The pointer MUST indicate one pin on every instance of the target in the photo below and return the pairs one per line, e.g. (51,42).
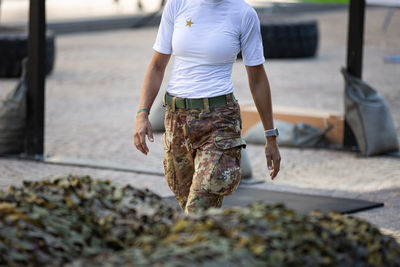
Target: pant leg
(178,157)
(217,174)
(217,159)
(201,201)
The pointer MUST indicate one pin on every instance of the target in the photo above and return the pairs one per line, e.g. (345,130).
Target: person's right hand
(142,128)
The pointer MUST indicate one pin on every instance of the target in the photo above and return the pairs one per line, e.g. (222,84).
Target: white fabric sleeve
(163,43)
(250,39)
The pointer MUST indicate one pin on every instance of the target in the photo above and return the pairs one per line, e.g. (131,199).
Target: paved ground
(93,94)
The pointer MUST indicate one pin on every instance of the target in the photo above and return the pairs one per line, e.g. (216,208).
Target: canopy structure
(36,70)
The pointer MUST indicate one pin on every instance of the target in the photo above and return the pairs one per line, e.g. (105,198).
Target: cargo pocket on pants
(224,175)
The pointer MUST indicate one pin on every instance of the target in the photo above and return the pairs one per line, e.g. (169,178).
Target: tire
(289,39)
(14,48)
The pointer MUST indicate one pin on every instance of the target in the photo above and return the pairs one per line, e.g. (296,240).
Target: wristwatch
(272,132)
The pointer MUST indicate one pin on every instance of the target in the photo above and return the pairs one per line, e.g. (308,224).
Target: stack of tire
(14,48)
(288,38)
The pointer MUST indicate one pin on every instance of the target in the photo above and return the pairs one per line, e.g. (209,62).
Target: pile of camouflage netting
(78,221)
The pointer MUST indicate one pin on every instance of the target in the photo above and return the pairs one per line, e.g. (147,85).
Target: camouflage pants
(202,154)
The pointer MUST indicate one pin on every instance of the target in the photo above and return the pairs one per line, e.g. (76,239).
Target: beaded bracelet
(148,112)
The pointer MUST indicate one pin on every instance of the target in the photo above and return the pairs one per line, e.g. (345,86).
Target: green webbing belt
(189,103)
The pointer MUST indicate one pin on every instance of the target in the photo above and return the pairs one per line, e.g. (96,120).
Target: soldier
(202,139)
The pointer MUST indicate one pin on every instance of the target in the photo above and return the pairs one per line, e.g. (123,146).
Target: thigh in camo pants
(202,155)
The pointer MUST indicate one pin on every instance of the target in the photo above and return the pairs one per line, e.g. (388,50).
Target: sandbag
(369,117)
(13,118)
(245,166)
(157,115)
(290,135)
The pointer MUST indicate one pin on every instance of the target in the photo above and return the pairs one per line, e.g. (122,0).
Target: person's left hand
(273,156)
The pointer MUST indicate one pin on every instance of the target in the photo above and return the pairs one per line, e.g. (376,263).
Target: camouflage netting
(83,222)
(55,221)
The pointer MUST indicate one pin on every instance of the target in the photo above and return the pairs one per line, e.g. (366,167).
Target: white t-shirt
(205,37)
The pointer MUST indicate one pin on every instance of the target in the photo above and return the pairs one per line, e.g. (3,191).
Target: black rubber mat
(302,203)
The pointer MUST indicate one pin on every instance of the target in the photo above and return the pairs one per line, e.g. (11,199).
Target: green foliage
(83,222)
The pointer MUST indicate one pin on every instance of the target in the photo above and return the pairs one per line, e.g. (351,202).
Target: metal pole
(355,38)
(36,79)
(355,41)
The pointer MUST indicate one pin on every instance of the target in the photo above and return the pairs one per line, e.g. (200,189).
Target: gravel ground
(92,96)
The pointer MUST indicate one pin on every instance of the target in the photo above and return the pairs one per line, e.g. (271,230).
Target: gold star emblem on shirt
(189,23)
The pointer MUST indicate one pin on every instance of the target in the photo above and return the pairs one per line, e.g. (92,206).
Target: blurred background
(15,11)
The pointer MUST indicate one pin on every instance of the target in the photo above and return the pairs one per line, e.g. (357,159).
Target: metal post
(36,79)
(355,41)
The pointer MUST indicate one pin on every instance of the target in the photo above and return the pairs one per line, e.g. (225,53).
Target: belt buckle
(206,105)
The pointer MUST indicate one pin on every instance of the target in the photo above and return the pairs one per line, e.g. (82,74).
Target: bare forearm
(151,86)
(153,79)
(261,93)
